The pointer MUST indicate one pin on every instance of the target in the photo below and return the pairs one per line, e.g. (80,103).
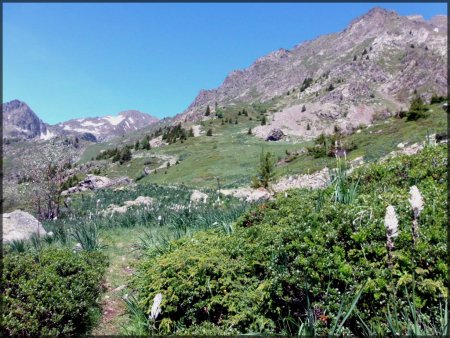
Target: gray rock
(198,196)
(20,225)
(93,182)
(275,135)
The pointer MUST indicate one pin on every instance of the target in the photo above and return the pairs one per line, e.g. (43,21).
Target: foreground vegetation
(52,291)
(312,262)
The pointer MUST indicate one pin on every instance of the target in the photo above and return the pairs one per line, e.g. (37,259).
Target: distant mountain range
(20,121)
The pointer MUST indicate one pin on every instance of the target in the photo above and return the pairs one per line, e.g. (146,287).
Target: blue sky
(72,60)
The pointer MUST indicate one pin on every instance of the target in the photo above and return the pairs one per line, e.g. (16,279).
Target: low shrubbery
(301,261)
(51,292)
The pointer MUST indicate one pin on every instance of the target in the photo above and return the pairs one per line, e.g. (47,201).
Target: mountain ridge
(379,54)
(20,121)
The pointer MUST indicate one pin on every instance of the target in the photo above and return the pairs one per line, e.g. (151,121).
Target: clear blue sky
(77,60)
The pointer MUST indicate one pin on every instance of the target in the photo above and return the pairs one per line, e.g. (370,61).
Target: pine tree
(208,111)
(303,108)
(125,155)
(266,171)
(209,132)
(136,146)
(249,131)
(263,120)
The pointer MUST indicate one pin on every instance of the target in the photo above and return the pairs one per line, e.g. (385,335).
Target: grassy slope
(232,155)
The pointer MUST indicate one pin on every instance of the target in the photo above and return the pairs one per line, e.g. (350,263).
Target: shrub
(291,255)
(417,110)
(54,293)
(209,132)
(437,99)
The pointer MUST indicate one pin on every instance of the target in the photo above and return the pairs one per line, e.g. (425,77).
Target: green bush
(54,292)
(306,251)
(417,110)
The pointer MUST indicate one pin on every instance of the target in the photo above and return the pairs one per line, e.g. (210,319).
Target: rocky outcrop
(275,135)
(140,201)
(20,225)
(93,182)
(248,194)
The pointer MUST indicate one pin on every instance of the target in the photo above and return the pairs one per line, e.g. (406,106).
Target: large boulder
(275,135)
(198,196)
(20,225)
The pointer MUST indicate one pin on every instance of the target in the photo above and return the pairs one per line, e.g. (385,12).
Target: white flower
(415,200)
(159,218)
(391,222)
(50,234)
(156,307)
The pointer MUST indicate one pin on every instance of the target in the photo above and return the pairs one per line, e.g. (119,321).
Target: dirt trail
(120,252)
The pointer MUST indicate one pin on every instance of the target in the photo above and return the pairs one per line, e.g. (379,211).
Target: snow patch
(114,120)
(47,136)
(436,30)
(92,124)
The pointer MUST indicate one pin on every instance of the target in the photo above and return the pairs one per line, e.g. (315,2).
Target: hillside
(307,195)
(373,66)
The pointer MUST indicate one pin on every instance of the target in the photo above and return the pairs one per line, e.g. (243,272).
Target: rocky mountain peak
(20,121)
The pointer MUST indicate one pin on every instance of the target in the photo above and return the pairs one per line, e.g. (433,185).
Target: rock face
(376,62)
(20,225)
(93,182)
(19,121)
(275,135)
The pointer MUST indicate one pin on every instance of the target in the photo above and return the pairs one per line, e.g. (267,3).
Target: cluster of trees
(174,133)
(120,155)
(330,145)
(306,83)
(229,120)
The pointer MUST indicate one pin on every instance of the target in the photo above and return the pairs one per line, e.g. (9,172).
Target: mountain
(107,127)
(375,65)
(20,121)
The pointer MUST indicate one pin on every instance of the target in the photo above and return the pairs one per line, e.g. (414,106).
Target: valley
(263,208)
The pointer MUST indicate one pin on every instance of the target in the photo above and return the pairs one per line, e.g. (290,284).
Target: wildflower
(391,222)
(156,307)
(415,200)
